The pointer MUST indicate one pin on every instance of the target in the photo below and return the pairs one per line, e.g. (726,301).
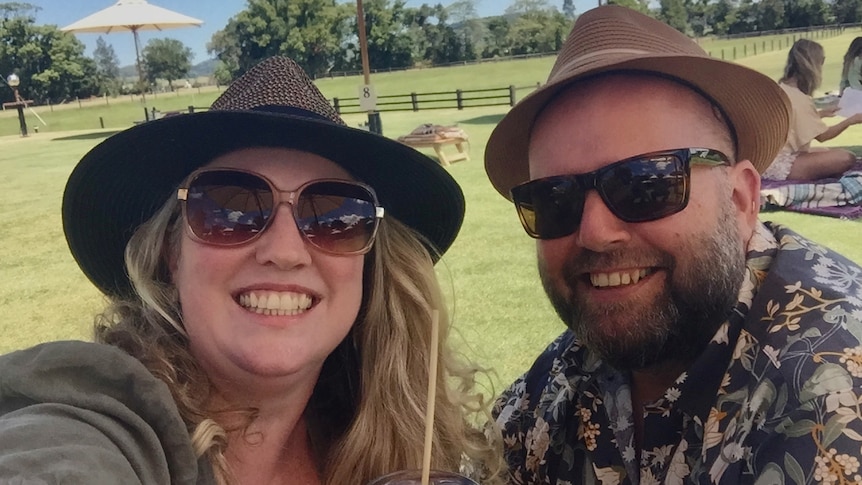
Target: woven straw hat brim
(755,106)
(124,180)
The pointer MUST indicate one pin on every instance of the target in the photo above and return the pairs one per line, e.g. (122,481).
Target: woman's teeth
(617,278)
(275,302)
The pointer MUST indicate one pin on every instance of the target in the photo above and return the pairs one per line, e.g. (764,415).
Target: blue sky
(214,13)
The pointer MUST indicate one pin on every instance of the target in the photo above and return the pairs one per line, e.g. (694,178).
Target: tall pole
(374,123)
(141,83)
(363,42)
(19,105)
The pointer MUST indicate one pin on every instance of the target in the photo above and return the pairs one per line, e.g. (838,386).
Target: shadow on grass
(87,136)
(486,120)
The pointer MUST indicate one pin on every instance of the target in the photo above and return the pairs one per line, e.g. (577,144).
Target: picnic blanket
(834,197)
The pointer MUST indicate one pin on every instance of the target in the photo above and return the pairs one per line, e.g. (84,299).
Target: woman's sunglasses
(638,189)
(229,207)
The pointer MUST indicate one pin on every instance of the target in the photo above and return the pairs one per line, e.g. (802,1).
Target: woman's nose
(282,244)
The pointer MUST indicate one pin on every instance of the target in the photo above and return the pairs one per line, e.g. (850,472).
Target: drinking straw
(432,392)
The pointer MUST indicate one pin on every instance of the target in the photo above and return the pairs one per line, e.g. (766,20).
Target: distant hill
(201,69)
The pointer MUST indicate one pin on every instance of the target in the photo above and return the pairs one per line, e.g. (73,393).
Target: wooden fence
(458,99)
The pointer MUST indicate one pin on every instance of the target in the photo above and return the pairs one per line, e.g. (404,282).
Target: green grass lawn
(489,274)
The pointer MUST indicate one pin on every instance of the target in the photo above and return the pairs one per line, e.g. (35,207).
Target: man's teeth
(275,302)
(617,278)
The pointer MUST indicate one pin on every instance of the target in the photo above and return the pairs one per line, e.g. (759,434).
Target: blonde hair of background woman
(805,65)
(383,361)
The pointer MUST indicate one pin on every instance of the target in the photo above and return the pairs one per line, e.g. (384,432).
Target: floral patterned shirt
(776,397)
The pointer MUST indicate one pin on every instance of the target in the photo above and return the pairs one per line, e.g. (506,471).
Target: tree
(222,74)
(225,47)
(167,59)
(496,38)
(805,13)
(50,63)
(847,11)
(771,14)
(641,6)
(311,32)
(18,9)
(700,14)
(436,40)
(569,9)
(107,68)
(468,27)
(521,7)
(723,16)
(674,13)
(535,27)
(387,25)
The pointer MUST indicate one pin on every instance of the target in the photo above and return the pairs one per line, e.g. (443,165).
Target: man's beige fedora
(612,38)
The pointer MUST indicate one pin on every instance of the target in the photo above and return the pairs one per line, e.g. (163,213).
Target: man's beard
(679,323)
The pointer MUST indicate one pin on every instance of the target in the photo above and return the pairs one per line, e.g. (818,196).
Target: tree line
(322,36)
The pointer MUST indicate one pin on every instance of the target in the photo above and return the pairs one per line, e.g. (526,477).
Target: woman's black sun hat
(124,180)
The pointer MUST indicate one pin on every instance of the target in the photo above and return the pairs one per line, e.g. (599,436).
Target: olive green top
(85,413)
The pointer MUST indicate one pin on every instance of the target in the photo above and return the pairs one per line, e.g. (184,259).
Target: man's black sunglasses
(638,189)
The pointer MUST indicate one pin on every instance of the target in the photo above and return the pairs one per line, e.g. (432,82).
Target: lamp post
(13,82)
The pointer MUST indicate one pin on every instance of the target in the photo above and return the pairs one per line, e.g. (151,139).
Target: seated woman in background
(851,71)
(797,160)
(272,322)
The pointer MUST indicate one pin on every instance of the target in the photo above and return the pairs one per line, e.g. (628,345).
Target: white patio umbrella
(132,16)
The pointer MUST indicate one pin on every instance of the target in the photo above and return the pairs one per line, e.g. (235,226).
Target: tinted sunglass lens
(645,189)
(228,207)
(550,208)
(337,217)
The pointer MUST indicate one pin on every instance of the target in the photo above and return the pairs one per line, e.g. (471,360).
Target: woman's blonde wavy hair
(805,65)
(366,416)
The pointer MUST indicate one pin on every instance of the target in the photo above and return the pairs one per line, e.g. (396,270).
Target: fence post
(146,114)
(191,109)
(744,50)
(734,53)
(79,101)
(336,105)
(154,112)
(101,122)
(755,48)
(511,95)
(414,101)
(722,54)
(459,99)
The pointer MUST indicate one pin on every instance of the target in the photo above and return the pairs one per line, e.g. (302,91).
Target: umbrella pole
(138,66)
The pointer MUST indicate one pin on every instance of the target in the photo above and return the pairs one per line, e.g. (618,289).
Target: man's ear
(745,185)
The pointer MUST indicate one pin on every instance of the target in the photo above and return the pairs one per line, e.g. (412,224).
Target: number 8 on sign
(367,98)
